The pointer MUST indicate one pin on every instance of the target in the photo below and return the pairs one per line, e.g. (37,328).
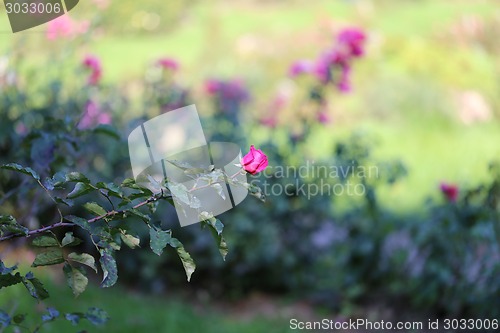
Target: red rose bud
(255,161)
(450,191)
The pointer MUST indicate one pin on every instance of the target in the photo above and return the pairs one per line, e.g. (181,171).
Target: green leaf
(75,276)
(139,214)
(83,258)
(95,208)
(216,228)
(112,189)
(107,130)
(6,270)
(187,261)
(4,319)
(70,240)
(81,222)
(97,316)
(79,190)
(19,318)
(108,265)
(77,177)
(130,240)
(19,168)
(9,224)
(47,258)
(45,241)
(180,192)
(220,191)
(35,287)
(57,181)
(159,239)
(8,280)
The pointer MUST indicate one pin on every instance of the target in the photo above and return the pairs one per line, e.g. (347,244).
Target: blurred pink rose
(300,67)
(211,86)
(94,64)
(65,27)
(94,116)
(323,117)
(168,63)
(353,40)
(255,161)
(450,191)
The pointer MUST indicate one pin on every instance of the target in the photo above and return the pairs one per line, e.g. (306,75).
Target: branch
(95,219)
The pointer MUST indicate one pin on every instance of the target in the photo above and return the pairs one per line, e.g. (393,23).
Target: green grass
(131,312)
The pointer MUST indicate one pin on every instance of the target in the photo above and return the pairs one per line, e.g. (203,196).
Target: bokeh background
(423,107)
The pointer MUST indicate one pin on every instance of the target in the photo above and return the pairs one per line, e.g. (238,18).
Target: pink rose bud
(255,161)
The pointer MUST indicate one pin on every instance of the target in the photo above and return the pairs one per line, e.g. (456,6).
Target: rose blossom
(450,191)
(300,67)
(255,161)
(94,64)
(168,63)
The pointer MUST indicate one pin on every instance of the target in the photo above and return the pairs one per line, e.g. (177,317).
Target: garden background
(420,102)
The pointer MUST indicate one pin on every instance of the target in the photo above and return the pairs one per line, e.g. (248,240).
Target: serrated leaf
(70,240)
(95,208)
(9,224)
(159,239)
(187,261)
(77,177)
(180,192)
(77,281)
(67,202)
(108,265)
(112,189)
(219,190)
(97,316)
(56,181)
(45,241)
(79,190)
(19,168)
(35,288)
(216,228)
(83,258)
(47,258)
(8,280)
(131,241)
(81,222)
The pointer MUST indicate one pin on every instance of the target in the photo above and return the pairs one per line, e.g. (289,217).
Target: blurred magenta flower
(230,95)
(352,40)
(211,86)
(450,191)
(300,67)
(323,117)
(94,116)
(255,161)
(65,27)
(94,64)
(334,65)
(168,64)
(271,122)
